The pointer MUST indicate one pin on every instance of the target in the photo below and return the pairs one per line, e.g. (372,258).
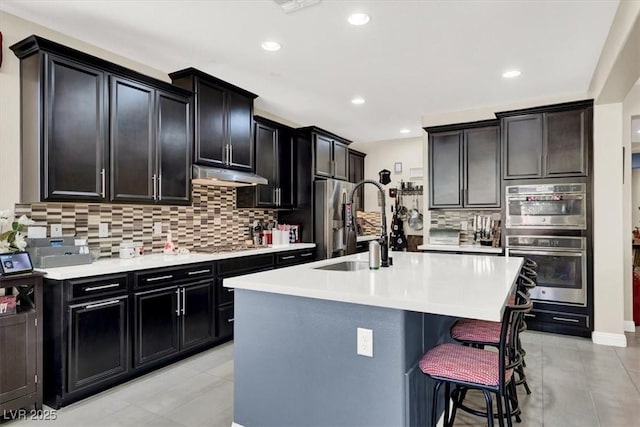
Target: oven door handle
(579,253)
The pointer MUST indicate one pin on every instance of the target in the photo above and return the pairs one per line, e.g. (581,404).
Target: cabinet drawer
(157,277)
(98,286)
(243,265)
(225,295)
(225,322)
(559,318)
(295,257)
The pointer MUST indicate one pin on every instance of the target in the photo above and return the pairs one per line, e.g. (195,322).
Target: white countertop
(117,265)
(472,286)
(461,248)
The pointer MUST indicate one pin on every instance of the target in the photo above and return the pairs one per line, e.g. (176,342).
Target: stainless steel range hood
(205,175)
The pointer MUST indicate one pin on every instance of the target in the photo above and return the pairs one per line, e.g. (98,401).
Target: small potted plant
(11,237)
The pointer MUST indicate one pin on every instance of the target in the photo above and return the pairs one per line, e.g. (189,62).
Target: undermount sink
(345,266)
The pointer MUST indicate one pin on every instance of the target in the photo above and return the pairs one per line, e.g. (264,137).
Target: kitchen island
(296,361)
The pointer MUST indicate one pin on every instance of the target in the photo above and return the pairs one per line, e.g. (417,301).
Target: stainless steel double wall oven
(548,224)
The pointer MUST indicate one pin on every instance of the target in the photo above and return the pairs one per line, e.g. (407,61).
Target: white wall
(13,30)
(383,155)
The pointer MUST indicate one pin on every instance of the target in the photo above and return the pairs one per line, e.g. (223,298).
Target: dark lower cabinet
(198,313)
(156,329)
(98,342)
(225,321)
(21,345)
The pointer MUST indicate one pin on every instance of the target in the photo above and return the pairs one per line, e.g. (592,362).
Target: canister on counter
(374,255)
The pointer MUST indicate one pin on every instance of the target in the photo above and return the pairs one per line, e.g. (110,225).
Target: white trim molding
(629,326)
(236,425)
(606,338)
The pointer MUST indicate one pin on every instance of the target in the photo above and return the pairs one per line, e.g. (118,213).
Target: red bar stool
(475,368)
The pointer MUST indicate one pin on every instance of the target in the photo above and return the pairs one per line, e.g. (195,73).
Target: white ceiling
(413,58)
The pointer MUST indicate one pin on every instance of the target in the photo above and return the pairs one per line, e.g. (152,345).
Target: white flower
(4,246)
(20,242)
(25,220)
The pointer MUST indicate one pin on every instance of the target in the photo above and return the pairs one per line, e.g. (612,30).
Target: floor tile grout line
(595,410)
(626,370)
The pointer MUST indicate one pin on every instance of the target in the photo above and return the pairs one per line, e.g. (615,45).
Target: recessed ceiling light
(357,101)
(405,131)
(511,74)
(271,46)
(358,18)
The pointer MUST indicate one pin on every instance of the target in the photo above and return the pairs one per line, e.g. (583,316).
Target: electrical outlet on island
(365,342)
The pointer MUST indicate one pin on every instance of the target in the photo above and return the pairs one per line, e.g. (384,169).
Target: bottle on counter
(374,255)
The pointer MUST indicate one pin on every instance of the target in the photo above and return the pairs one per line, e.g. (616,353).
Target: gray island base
(296,361)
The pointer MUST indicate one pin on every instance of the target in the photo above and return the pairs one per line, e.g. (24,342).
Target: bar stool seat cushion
(463,364)
(472,330)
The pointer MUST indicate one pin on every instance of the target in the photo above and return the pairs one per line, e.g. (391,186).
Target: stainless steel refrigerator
(330,197)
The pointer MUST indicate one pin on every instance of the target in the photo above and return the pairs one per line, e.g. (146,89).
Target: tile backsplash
(211,220)
(454,219)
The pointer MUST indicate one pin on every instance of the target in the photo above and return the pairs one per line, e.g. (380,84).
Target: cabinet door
(210,125)
(156,329)
(266,164)
(132,142)
(482,167)
(18,356)
(240,111)
(322,159)
(340,161)
(566,140)
(356,174)
(75,138)
(98,342)
(286,169)
(445,172)
(522,145)
(173,148)
(197,314)
(225,321)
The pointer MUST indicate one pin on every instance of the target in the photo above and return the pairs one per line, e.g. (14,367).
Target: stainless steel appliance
(331,197)
(562,266)
(546,206)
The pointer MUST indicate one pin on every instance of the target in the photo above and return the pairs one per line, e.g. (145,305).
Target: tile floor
(574,383)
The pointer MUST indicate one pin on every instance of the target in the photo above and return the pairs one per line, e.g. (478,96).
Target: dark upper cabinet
(274,161)
(546,142)
(330,153)
(132,143)
(464,165)
(522,136)
(482,182)
(356,174)
(73,152)
(173,149)
(97,131)
(223,120)
(150,144)
(445,169)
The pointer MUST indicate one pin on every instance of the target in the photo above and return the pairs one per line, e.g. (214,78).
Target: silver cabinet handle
(231,289)
(184,301)
(306,255)
(160,187)
(192,273)
(153,181)
(231,153)
(564,319)
(288,257)
(231,320)
(102,304)
(103,180)
(97,288)
(178,302)
(155,279)
(529,315)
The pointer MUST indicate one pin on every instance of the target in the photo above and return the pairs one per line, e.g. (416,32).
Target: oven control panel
(546,242)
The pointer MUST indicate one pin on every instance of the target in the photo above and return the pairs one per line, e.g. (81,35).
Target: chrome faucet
(383,240)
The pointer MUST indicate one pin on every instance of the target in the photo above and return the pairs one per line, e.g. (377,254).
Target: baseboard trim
(629,326)
(233,424)
(606,338)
